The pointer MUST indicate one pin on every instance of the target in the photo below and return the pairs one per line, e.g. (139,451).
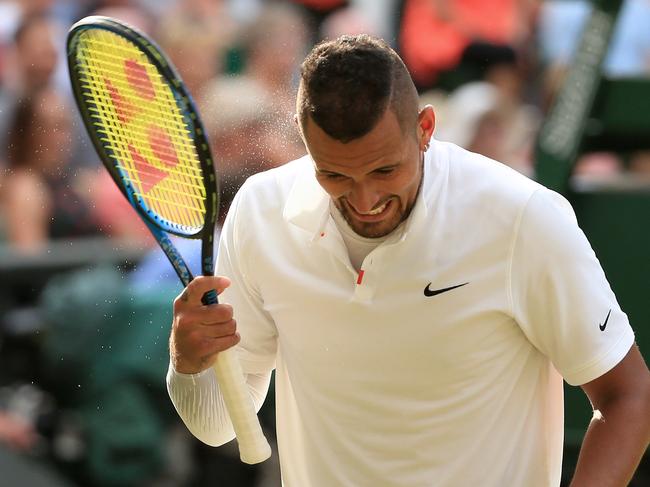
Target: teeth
(376,211)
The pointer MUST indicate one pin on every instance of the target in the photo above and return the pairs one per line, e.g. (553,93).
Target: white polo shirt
(438,364)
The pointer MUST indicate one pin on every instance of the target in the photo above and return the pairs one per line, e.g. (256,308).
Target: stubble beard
(384,227)
(373,229)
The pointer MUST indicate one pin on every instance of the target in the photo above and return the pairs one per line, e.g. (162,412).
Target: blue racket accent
(177,262)
(147,132)
(210,297)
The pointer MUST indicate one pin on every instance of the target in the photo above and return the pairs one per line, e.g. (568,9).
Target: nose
(363,197)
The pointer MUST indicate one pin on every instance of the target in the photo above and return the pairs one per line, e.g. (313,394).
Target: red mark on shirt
(360,277)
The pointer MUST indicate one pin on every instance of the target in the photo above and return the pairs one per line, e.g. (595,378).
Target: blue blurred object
(155,270)
(560,27)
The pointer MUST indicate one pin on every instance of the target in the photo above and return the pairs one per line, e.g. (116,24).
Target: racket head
(144,125)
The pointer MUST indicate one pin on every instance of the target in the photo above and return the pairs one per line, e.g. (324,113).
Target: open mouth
(375,214)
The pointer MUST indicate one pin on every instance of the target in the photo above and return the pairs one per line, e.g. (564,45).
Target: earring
(426,147)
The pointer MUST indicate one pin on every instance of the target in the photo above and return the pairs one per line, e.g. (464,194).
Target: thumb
(200,285)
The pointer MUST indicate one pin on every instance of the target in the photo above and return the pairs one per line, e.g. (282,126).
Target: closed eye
(384,171)
(332,176)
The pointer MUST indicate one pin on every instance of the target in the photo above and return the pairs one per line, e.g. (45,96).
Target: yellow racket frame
(144,125)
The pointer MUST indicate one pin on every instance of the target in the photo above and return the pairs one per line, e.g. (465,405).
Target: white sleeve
(559,293)
(200,405)
(197,397)
(239,248)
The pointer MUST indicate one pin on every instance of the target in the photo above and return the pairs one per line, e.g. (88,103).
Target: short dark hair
(347,85)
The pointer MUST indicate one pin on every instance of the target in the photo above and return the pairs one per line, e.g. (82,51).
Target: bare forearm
(614,445)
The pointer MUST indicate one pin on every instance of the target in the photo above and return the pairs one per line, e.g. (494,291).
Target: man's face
(373,180)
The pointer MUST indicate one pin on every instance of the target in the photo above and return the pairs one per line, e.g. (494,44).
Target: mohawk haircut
(347,85)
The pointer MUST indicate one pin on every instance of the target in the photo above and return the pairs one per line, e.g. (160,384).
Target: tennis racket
(148,134)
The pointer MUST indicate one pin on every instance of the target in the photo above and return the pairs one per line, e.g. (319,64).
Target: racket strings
(137,112)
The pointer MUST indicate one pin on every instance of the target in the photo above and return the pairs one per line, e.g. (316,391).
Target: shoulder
(263,196)
(480,185)
(479,173)
(276,183)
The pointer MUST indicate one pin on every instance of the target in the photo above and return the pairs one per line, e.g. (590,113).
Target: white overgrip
(253,446)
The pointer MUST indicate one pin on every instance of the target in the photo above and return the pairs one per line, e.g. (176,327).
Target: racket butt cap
(257,454)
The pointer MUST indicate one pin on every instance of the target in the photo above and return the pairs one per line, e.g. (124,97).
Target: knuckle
(234,339)
(180,320)
(225,342)
(185,323)
(207,347)
(218,313)
(231,326)
(226,311)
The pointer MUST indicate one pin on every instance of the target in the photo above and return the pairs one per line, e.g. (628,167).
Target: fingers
(200,332)
(200,285)
(208,348)
(197,352)
(211,321)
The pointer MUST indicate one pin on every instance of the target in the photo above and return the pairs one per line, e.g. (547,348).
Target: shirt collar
(307,204)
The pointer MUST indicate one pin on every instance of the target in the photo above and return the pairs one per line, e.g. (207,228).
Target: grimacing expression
(373,180)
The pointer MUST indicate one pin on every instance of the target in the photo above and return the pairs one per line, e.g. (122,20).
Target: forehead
(384,144)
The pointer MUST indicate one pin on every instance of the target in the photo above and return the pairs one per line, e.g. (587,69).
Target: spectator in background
(131,14)
(238,119)
(249,117)
(17,440)
(517,122)
(196,35)
(489,116)
(350,20)
(434,34)
(317,11)
(383,16)
(44,197)
(39,200)
(32,60)
(16,433)
(471,119)
(273,47)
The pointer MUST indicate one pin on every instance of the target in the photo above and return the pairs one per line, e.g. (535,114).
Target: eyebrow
(326,172)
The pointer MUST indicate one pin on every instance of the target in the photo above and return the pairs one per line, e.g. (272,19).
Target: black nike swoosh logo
(434,292)
(604,325)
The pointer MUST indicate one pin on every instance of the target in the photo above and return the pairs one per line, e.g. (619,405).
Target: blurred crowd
(490,68)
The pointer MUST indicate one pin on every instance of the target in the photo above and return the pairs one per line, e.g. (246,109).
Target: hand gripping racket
(148,134)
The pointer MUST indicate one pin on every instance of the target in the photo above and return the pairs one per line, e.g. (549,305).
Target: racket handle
(253,447)
(210,297)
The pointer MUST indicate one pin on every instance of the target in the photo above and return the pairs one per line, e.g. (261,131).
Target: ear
(296,120)
(426,126)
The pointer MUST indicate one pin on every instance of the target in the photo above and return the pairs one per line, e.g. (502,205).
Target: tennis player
(419,303)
